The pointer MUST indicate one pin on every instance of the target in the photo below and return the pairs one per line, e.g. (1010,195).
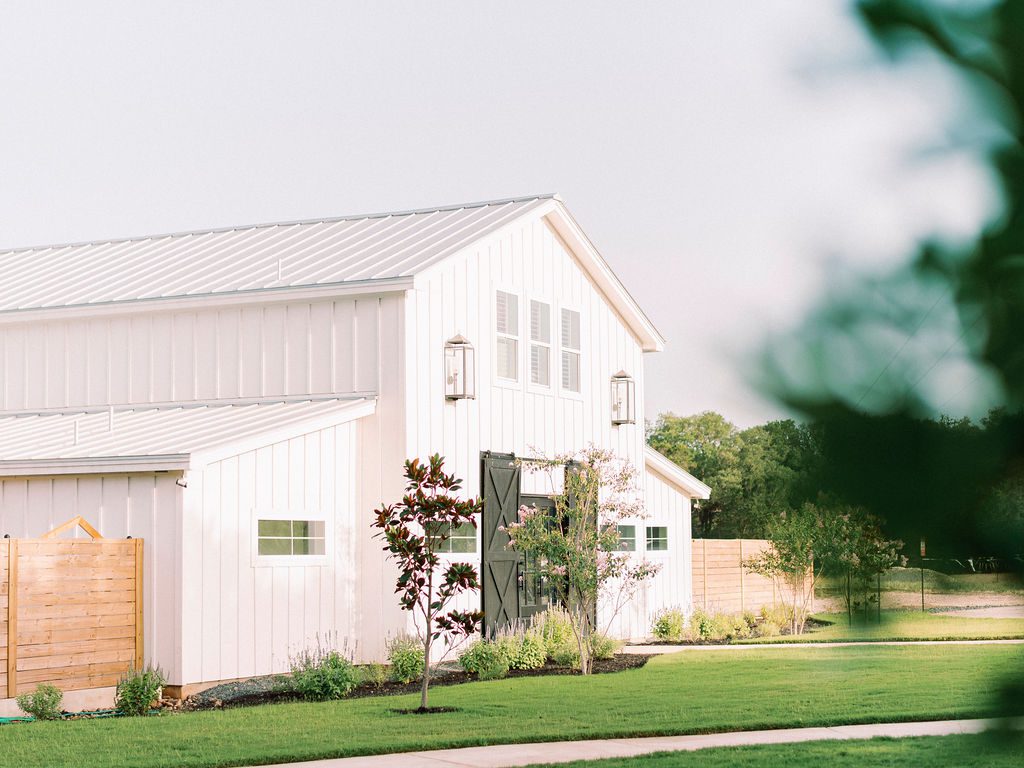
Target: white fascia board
(675,475)
(201,301)
(357,409)
(597,268)
(94,466)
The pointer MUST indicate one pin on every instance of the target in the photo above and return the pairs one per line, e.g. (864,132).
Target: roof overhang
(105,465)
(670,472)
(604,278)
(203,300)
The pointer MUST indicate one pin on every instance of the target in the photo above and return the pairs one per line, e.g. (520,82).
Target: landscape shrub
(406,657)
(555,628)
(565,656)
(669,625)
(533,653)
(734,627)
(322,674)
(488,661)
(702,624)
(767,628)
(374,674)
(138,690)
(44,703)
(750,619)
(780,615)
(603,647)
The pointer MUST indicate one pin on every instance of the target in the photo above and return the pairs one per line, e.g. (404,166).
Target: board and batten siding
(294,348)
(140,505)
(458,296)
(247,617)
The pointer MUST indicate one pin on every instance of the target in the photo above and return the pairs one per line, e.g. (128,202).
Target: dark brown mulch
(265,690)
(426,710)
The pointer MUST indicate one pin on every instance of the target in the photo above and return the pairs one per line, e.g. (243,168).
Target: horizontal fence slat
(78,598)
(61,661)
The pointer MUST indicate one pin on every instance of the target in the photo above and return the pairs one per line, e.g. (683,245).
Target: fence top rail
(75,522)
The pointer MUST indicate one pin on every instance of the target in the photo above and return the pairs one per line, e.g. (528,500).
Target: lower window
(627,538)
(657,538)
(292,537)
(461,538)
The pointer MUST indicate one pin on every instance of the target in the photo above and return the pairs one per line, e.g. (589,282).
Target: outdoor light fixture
(459,367)
(623,399)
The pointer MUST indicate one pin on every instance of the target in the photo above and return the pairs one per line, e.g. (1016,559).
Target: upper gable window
(540,343)
(507,326)
(571,350)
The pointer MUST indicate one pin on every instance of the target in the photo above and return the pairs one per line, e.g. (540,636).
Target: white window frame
(550,346)
(563,390)
(668,539)
(634,526)
(516,383)
(317,561)
(473,556)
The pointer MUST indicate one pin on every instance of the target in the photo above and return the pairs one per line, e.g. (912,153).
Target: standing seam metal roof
(291,254)
(146,431)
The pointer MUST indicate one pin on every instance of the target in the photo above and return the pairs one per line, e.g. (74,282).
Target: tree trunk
(429,641)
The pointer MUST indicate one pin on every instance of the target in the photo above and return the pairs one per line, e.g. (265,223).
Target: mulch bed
(268,690)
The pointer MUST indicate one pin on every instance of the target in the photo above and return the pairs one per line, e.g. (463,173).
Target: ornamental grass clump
(44,703)
(138,690)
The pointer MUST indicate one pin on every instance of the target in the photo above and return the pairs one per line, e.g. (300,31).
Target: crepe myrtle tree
(413,531)
(577,546)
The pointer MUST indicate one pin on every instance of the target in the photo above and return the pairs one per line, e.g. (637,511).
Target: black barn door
(500,566)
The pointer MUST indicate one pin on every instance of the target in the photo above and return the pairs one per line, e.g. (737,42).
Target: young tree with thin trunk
(414,530)
(577,548)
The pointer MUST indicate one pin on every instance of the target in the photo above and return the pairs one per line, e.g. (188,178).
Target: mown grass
(676,694)
(981,751)
(902,625)
(909,580)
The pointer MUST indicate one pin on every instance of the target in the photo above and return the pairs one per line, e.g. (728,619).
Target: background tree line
(761,471)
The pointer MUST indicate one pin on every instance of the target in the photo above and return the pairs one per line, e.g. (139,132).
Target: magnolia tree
(577,547)
(414,531)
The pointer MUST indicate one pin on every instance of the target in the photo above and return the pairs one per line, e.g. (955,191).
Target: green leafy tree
(413,531)
(577,547)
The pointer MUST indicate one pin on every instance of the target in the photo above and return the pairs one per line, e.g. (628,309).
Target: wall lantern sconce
(623,399)
(459,369)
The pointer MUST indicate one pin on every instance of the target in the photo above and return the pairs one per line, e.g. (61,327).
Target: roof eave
(223,299)
(675,475)
(94,465)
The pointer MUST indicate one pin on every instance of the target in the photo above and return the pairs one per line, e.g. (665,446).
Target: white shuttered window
(540,343)
(571,350)
(507,344)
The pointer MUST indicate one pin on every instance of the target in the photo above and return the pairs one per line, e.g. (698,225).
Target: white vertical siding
(278,349)
(457,296)
(140,505)
(246,618)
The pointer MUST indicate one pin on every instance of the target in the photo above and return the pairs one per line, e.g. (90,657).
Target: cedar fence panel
(722,585)
(70,612)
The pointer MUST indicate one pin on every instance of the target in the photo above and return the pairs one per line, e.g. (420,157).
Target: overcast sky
(730,159)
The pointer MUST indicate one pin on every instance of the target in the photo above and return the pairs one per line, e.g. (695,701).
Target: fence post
(742,603)
(139,635)
(704,559)
(12,618)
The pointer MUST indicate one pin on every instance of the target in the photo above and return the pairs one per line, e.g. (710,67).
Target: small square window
(657,538)
(461,538)
(627,538)
(277,538)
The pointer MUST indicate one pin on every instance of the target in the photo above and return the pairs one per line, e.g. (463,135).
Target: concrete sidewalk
(502,755)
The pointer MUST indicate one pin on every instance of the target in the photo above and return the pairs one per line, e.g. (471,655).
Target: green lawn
(904,625)
(681,693)
(927,752)
(909,580)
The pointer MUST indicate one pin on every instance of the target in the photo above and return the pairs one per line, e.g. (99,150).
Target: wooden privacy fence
(70,610)
(721,584)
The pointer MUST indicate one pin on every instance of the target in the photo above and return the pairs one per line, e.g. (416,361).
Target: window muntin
(507,326)
(461,538)
(627,538)
(278,538)
(570,350)
(657,538)
(540,343)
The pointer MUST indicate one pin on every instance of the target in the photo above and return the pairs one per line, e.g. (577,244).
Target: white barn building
(243,399)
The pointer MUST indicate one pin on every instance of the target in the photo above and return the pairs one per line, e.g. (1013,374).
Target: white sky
(725,157)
